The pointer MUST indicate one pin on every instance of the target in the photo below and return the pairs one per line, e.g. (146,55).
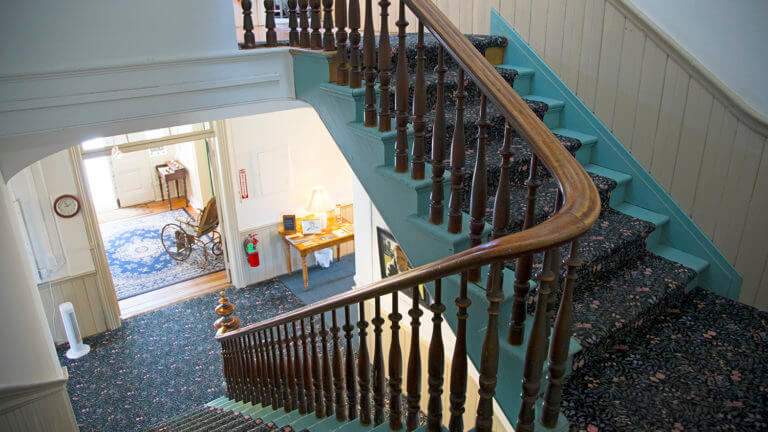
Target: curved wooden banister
(579,211)
(577,207)
(544,236)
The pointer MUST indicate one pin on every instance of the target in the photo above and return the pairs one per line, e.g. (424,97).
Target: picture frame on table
(289,224)
(311,226)
(392,260)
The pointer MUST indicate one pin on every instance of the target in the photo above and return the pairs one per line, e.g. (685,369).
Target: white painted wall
(58,180)
(40,36)
(728,38)
(285,153)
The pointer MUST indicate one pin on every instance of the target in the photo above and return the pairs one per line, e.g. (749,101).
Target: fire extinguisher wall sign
(243,184)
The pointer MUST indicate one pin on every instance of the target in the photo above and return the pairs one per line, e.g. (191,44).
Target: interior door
(133,178)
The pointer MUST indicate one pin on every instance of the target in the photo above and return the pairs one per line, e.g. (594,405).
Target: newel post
(227,321)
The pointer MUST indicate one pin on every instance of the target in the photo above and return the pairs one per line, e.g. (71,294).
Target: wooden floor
(143,210)
(173,294)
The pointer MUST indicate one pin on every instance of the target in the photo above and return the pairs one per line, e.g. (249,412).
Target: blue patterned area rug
(139,263)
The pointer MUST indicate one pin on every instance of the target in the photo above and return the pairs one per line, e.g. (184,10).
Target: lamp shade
(319,201)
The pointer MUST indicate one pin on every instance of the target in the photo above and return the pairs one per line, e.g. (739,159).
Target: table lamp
(319,203)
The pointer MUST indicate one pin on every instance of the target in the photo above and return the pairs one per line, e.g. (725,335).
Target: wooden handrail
(579,212)
(258,371)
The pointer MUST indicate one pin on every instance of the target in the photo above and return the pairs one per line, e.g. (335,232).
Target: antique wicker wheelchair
(181,237)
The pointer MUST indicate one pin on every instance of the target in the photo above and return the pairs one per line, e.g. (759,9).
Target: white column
(27,355)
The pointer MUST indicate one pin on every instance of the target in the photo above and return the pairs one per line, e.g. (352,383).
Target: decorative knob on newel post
(227,322)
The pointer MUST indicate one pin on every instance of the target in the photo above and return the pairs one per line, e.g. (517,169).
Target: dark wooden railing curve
(259,358)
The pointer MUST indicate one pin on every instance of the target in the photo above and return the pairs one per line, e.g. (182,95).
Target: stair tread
(605,306)
(552,104)
(701,365)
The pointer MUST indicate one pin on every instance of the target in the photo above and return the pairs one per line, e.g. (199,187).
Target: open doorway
(153,196)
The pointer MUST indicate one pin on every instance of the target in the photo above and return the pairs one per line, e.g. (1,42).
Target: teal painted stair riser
(690,244)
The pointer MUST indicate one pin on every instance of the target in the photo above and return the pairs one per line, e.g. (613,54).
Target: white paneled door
(133,178)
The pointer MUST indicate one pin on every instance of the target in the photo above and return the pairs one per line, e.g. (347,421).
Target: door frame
(107,295)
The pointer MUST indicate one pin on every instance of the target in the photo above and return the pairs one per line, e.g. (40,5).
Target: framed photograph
(311,226)
(289,224)
(392,260)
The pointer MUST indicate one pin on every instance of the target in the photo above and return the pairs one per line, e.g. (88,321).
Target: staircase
(526,197)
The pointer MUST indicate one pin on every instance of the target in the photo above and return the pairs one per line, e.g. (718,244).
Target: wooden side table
(335,235)
(170,174)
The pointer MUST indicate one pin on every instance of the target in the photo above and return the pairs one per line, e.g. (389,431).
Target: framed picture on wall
(392,260)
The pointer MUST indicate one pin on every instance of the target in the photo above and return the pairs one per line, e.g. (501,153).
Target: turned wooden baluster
(327,377)
(355,74)
(293,24)
(241,370)
(269,7)
(342,73)
(395,369)
(385,77)
(489,360)
(413,383)
(438,143)
(306,370)
(457,160)
(363,369)
(419,105)
(458,395)
(338,381)
(235,374)
(304,23)
(261,369)
(270,375)
(290,382)
(536,350)
(266,373)
(349,366)
(556,264)
(378,366)
(279,381)
(249,39)
(254,346)
(298,373)
(501,201)
(226,352)
(250,365)
(369,62)
(401,95)
(435,363)
(558,355)
(226,367)
(524,265)
(479,197)
(328,42)
(317,378)
(316,38)
(284,382)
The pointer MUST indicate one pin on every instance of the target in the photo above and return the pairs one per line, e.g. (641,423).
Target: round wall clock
(66,206)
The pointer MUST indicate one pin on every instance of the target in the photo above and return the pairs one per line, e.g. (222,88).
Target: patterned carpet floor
(160,364)
(139,263)
(700,367)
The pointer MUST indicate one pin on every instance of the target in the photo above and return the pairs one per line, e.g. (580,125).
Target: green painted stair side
(691,245)
(369,153)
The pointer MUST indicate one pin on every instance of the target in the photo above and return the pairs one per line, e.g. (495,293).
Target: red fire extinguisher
(251,250)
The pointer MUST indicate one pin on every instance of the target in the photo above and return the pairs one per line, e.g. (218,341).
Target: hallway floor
(161,363)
